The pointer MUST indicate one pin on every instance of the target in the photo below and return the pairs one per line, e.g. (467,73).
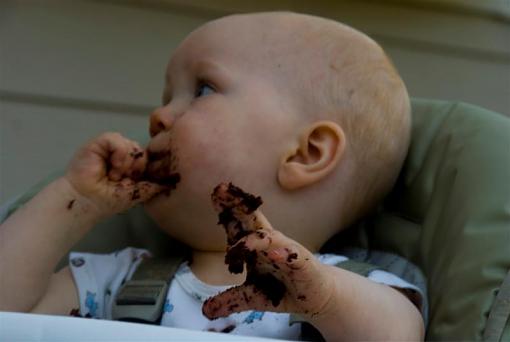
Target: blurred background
(72,69)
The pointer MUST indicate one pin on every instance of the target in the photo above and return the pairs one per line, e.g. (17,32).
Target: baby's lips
(160,160)
(159,144)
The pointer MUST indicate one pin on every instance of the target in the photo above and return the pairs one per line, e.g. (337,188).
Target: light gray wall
(72,69)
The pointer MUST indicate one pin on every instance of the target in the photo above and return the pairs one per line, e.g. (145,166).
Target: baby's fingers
(136,192)
(238,211)
(270,252)
(238,299)
(102,157)
(289,259)
(118,154)
(137,162)
(227,195)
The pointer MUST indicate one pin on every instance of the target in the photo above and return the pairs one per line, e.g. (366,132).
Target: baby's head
(303,111)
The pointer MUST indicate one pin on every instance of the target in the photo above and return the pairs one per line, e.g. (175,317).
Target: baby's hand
(107,171)
(282,275)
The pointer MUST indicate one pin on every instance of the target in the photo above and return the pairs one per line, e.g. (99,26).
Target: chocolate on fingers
(249,238)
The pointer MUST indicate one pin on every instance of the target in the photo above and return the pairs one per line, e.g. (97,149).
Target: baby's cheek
(208,156)
(211,152)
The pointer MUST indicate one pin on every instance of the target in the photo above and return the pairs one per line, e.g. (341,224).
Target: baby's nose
(160,120)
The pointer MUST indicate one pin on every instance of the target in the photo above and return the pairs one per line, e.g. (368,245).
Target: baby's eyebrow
(212,71)
(206,65)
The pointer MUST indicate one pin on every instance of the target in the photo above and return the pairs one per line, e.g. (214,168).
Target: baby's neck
(210,267)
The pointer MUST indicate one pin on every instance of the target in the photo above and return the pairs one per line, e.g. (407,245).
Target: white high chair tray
(32,327)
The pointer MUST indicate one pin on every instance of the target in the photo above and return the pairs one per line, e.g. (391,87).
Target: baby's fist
(106,171)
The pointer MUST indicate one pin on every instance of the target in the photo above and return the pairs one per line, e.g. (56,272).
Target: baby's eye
(203,89)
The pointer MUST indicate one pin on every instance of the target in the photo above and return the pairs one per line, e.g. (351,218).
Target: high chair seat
(450,214)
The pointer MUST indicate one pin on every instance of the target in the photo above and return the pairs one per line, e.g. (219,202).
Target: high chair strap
(141,298)
(500,313)
(358,267)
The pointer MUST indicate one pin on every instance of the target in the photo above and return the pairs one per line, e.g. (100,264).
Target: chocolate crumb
(135,195)
(70,204)
(136,154)
(268,284)
(248,200)
(76,313)
(260,235)
(228,329)
(225,217)
(237,255)
(232,199)
(301,297)
(291,256)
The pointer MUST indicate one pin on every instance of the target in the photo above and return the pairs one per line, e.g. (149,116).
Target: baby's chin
(155,204)
(209,237)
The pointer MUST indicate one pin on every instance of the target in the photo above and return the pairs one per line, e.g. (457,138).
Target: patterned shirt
(99,276)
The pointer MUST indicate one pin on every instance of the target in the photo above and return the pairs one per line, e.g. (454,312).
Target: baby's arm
(359,308)
(283,276)
(98,183)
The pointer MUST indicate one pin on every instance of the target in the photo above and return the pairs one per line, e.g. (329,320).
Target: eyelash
(203,83)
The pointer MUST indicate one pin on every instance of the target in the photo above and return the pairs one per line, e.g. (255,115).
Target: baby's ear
(317,152)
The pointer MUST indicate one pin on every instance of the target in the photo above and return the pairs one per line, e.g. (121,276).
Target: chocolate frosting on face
(161,169)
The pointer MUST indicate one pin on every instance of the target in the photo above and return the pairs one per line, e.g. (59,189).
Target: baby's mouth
(162,167)
(160,170)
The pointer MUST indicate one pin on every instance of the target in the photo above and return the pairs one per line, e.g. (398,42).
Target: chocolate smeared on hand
(135,154)
(229,197)
(232,202)
(70,204)
(268,284)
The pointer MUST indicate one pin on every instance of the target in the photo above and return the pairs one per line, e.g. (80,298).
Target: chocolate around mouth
(160,169)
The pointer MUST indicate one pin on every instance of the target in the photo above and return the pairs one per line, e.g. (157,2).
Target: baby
(303,111)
